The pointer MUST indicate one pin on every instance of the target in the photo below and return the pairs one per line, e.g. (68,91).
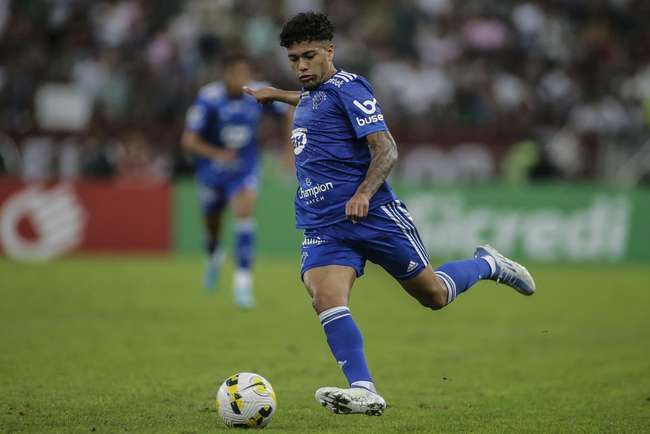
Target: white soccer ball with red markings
(246,400)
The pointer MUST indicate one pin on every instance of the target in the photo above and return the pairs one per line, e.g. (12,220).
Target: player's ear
(330,52)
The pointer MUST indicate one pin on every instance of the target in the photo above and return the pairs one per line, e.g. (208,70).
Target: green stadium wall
(538,222)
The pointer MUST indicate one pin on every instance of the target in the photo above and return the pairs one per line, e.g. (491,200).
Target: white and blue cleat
(244,298)
(351,401)
(507,271)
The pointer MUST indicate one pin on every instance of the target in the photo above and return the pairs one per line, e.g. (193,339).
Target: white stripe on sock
(245,224)
(449,283)
(327,314)
(335,318)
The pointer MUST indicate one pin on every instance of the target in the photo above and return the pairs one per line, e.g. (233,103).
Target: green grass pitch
(116,344)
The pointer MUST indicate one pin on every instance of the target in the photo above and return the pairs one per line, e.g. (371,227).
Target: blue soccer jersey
(330,126)
(228,123)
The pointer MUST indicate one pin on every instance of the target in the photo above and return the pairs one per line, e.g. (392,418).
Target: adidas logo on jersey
(335,81)
(412,266)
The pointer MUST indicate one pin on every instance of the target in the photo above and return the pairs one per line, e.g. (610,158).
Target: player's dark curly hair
(306,27)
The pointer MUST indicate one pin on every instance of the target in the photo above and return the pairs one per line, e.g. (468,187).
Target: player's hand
(357,207)
(263,94)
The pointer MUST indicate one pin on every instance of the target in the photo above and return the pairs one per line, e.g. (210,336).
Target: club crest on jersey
(317,99)
(298,139)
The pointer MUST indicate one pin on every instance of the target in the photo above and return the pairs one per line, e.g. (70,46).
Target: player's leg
(329,287)
(427,289)
(243,206)
(212,209)
(436,289)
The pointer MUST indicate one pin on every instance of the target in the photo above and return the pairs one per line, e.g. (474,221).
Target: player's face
(311,62)
(235,76)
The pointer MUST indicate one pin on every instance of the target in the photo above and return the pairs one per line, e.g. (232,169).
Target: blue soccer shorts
(387,236)
(214,197)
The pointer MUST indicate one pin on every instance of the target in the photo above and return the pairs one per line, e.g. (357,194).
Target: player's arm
(270,94)
(383,151)
(287,159)
(194,143)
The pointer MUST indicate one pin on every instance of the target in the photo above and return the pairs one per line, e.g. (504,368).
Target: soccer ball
(246,400)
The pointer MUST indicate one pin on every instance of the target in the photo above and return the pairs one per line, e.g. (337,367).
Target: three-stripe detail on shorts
(400,216)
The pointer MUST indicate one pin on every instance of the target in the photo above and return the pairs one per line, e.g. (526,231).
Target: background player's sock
(210,246)
(346,343)
(244,243)
(244,249)
(213,251)
(459,276)
(242,280)
(212,266)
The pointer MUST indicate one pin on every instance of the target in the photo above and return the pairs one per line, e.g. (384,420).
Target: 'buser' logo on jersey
(298,139)
(369,107)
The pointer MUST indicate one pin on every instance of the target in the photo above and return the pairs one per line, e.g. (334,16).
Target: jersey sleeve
(361,108)
(198,117)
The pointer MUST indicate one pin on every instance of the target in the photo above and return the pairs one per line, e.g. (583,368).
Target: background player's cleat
(355,400)
(508,271)
(211,275)
(244,297)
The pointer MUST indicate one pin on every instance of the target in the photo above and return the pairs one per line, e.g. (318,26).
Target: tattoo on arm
(383,151)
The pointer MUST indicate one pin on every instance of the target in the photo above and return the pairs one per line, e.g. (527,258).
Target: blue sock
(459,276)
(346,343)
(244,243)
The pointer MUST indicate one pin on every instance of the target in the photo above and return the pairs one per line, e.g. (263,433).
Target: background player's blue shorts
(387,237)
(215,197)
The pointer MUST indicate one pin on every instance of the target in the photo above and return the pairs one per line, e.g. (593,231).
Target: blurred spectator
(494,72)
(137,161)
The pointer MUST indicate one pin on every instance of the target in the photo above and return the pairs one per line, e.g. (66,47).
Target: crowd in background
(542,86)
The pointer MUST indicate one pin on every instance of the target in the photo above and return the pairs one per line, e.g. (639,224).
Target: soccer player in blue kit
(221,133)
(343,154)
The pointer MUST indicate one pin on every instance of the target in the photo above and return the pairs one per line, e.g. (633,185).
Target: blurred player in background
(222,134)
(343,153)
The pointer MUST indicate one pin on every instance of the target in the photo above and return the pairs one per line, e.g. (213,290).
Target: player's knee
(433,304)
(435,300)
(243,213)
(324,301)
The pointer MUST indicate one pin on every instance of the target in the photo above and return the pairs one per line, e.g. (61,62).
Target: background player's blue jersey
(330,126)
(228,123)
